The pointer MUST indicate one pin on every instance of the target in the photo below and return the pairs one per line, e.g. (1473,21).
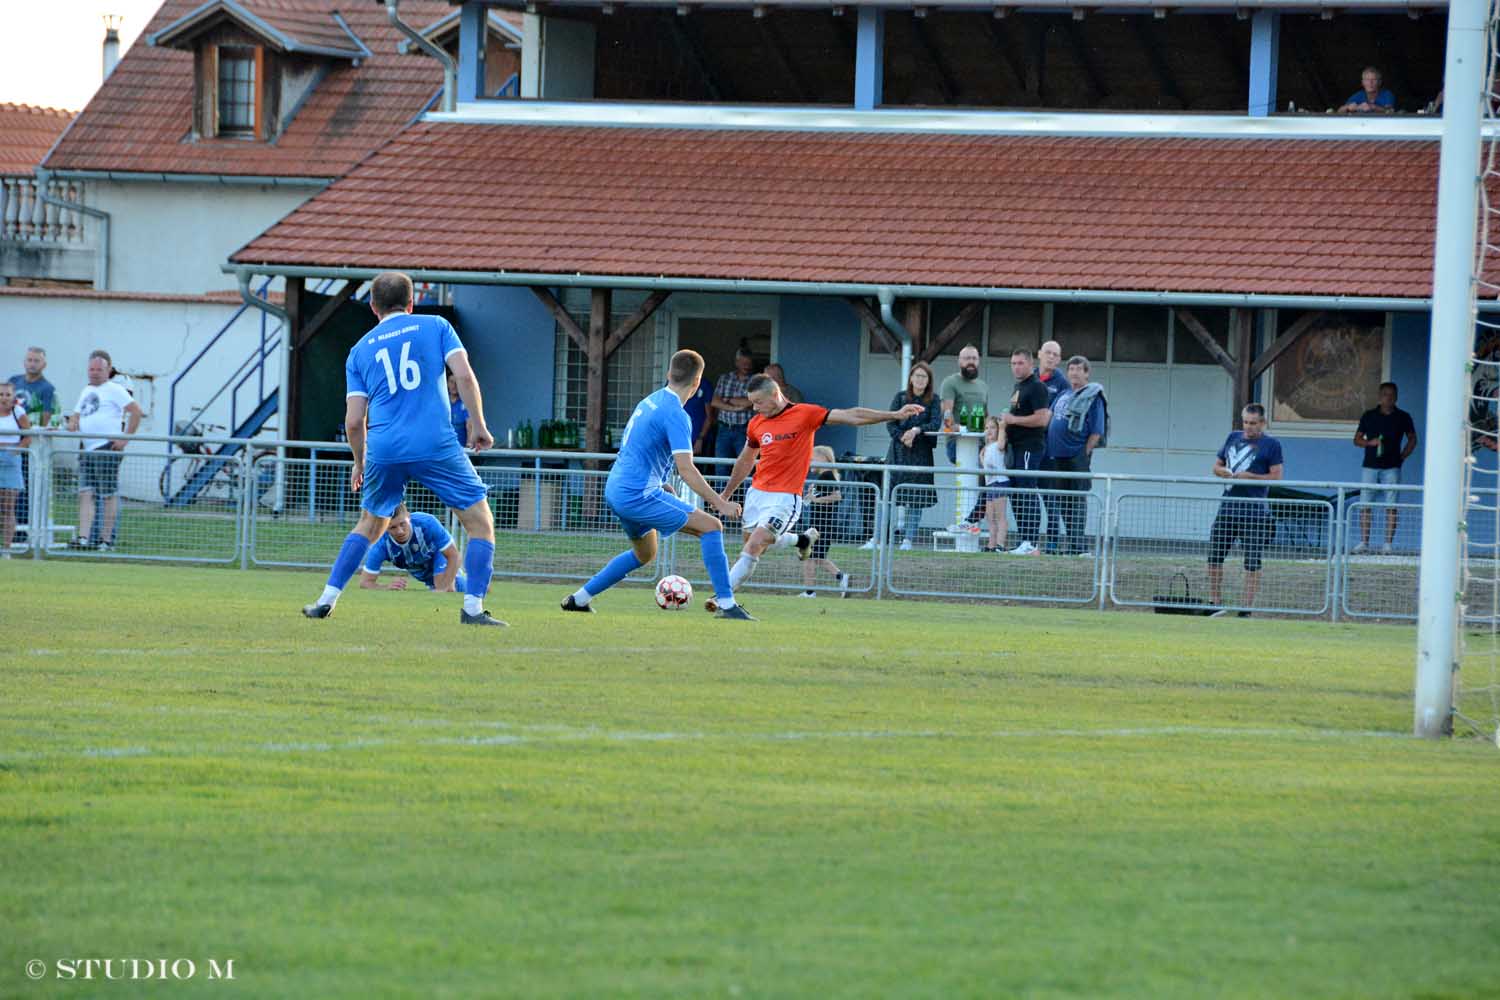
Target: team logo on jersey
(766,439)
(1240,458)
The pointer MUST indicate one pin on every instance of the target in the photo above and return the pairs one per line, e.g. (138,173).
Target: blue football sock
(351,555)
(717,564)
(479,566)
(613,572)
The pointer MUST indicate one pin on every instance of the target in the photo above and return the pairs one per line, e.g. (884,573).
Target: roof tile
(29,132)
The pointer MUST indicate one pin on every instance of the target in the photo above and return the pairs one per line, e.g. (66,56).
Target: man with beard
(962,390)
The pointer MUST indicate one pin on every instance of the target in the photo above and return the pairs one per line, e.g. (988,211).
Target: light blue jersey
(421,556)
(398,367)
(658,429)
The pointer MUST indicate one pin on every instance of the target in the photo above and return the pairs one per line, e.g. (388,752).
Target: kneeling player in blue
(659,437)
(419,544)
(397,405)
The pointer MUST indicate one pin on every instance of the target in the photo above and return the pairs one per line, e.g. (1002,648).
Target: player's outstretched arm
(858,416)
(690,475)
(443,582)
(355,409)
(467,383)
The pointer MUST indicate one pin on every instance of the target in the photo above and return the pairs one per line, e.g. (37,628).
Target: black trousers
(1072,508)
(1022,459)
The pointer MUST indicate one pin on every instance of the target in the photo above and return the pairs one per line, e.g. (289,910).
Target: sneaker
(737,613)
(79,543)
(805,542)
(1025,549)
(844,585)
(570,603)
(711,606)
(483,618)
(868,546)
(317,610)
(1385,549)
(1360,549)
(103,547)
(905,545)
(808,593)
(1221,613)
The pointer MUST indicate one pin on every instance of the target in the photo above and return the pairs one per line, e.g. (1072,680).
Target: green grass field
(846,799)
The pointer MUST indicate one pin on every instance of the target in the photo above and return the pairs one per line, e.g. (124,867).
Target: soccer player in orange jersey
(781,434)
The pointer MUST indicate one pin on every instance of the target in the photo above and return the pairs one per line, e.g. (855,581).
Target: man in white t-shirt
(104,407)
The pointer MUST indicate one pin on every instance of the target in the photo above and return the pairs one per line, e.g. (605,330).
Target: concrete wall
(174,237)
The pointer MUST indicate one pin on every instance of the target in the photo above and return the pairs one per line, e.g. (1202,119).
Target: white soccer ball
(673,593)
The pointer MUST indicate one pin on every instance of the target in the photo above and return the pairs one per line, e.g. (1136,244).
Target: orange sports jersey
(786,443)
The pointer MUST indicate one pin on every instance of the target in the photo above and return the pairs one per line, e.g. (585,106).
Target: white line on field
(560,734)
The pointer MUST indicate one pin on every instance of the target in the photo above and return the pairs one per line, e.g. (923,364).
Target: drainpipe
(888,317)
(450,68)
(101,252)
(284,390)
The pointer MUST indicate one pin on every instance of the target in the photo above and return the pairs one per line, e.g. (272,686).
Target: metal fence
(1153,542)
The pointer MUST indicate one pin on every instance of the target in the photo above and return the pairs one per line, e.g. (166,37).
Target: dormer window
(255,62)
(237,80)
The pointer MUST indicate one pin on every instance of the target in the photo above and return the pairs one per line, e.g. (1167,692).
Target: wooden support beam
(1199,331)
(1242,335)
(1085,61)
(778,55)
(1279,346)
(1000,36)
(1166,84)
(629,325)
(871,321)
(315,326)
(693,51)
(946,84)
(598,368)
(916,312)
(947,334)
(294,303)
(570,327)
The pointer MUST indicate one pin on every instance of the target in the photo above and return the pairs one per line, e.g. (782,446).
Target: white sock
(330,596)
(582,597)
(786,538)
(473,605)
(742,568)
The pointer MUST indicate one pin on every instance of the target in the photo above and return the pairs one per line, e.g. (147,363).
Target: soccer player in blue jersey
(397,416)
(419,544)
(659,437)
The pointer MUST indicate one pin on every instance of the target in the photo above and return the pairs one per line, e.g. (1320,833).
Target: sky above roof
(51,53)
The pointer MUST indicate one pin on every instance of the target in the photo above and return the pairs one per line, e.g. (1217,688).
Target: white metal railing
(25,217)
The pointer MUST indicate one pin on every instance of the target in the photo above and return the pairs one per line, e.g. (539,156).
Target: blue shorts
(1380,477)
(438,565)
(661,511)
(10,471)
(451,477)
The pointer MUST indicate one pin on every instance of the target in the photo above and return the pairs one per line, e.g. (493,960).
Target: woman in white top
(13,421)
(992,460)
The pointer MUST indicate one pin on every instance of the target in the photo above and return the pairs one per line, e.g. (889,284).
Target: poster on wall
(1332,374)
(1484,376)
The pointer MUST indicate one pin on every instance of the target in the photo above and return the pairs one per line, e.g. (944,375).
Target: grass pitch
(848,798)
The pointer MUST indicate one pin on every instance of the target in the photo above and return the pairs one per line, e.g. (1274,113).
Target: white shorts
(777,512)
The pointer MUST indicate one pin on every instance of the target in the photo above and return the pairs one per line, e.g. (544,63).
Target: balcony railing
(25,217)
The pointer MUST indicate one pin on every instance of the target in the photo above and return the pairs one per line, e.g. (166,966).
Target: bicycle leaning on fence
(198,474)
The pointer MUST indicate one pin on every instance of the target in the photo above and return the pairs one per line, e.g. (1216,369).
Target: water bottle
(963,417)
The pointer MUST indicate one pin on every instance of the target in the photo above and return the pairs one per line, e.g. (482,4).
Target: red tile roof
(287,25)
(26,133)
(141,118)
(1174,215)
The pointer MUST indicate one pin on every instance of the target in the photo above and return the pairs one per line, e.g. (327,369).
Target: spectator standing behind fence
(992,461)
(1048,357)
(38,398)
(1388,436)
(963,390)
(697,409)
(1075,430)
(103,408)
(13,421)
(1245,513)
(1026,435)
(822,506)
(912,444)
(731,406)
(778,375)
(1371,98)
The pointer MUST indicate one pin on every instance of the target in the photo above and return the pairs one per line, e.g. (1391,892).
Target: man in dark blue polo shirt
(1388,436)
(1251,458)
(1026,443)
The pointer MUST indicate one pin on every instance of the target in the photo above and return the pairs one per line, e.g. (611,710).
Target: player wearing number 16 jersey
(397,417)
